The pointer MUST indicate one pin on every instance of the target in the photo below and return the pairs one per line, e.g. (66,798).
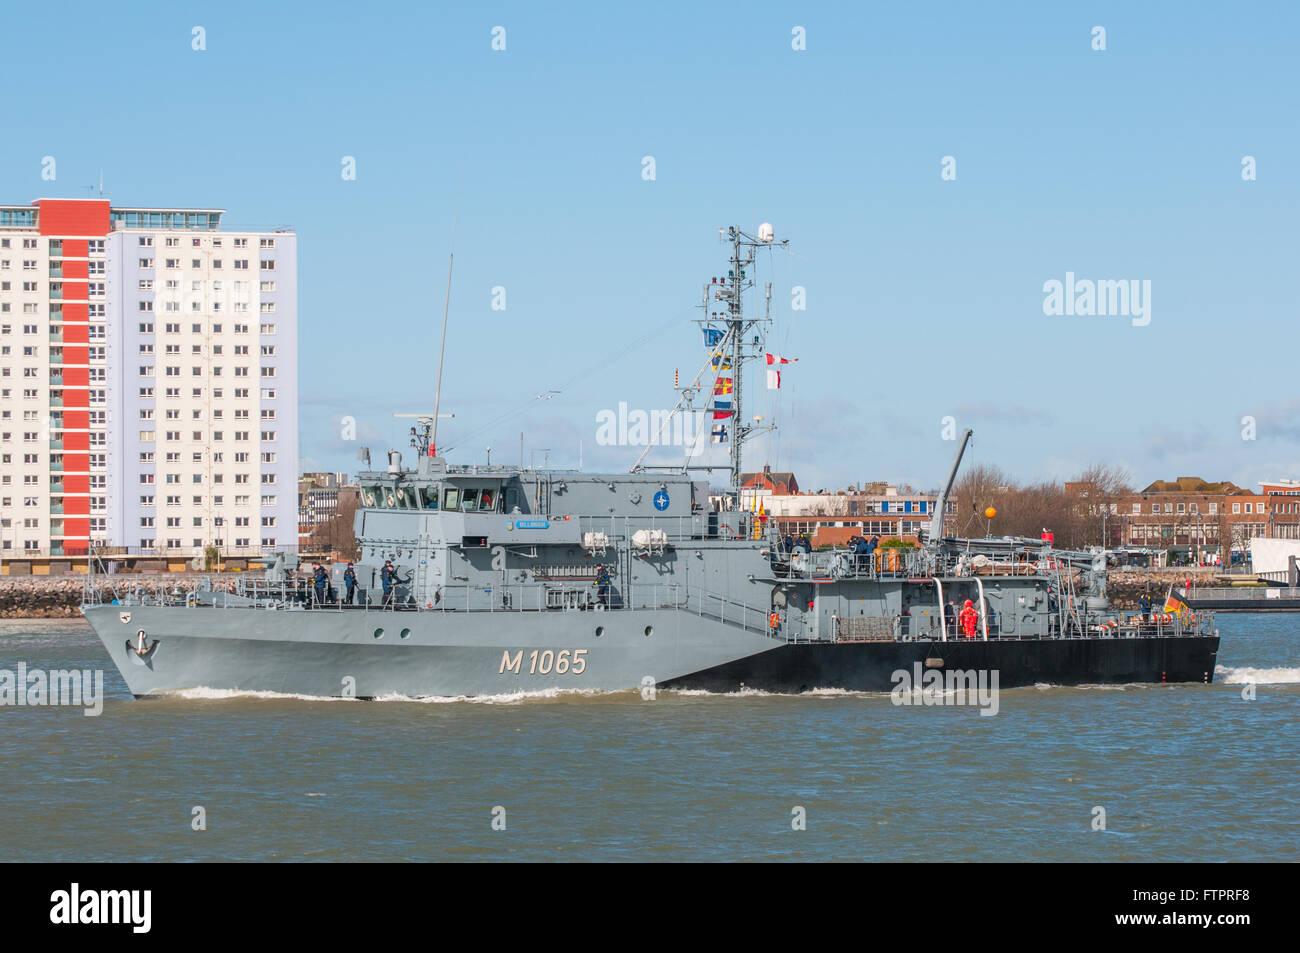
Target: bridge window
(469,500)
(430,497)
(451,499)
(486,500)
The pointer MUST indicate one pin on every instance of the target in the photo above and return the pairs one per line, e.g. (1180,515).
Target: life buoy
(774,620)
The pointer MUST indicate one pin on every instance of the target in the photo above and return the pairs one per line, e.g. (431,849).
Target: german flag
(1173,604)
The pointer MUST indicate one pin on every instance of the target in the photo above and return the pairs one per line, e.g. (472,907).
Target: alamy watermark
(931,686)
(1106,297)
(76,905)
(38,688)
(649,428)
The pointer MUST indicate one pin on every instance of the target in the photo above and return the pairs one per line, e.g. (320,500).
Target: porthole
(600,630)
(649,631)
(379,633)
(404,634)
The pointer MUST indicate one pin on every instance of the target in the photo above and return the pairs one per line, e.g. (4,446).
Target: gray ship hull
(370,654)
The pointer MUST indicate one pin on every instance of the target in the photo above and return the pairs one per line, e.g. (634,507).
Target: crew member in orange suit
(968,618)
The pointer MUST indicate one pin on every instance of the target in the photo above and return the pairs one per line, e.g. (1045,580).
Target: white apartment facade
(148,382)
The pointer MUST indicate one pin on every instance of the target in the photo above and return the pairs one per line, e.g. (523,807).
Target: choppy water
(1190,772)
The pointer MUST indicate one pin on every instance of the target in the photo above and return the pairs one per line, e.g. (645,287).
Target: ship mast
(740,279)
(731,347)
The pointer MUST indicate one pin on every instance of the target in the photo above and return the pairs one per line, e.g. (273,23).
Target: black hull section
(870,666)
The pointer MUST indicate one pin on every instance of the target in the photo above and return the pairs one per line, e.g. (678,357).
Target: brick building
(1201,516)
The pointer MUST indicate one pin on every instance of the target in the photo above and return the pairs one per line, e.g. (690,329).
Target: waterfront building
(1201,516)
(148,382)
(832,517)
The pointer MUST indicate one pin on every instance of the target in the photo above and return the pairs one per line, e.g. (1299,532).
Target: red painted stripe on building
(72,216)
(75,269)
(75,248)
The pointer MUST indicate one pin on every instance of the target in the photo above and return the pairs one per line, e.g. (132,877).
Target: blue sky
(925,297)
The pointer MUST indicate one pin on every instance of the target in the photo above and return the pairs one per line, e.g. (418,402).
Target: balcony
(56,270)
(56,444)
(56,401)
(56,509)
(56,379)
(56,486)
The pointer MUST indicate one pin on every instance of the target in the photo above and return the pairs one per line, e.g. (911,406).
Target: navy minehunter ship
(518,579)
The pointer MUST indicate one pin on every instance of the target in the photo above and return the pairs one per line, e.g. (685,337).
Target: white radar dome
(766,233)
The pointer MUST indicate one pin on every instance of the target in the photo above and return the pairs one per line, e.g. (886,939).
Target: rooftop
(1191,485)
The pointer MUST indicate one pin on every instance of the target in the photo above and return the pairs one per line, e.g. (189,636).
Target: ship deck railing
(897,628)
(542,597)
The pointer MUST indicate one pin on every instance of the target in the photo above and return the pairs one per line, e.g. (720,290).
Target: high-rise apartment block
(148,381)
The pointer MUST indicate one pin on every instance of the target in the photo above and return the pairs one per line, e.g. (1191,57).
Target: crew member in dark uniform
(387,578)
(602,585)
(321,580)
(350,580)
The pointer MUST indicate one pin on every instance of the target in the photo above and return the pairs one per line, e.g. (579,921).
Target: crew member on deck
(321,580)
(602,585)
(350,580)
(387,578)
(968,619)
(1144,603)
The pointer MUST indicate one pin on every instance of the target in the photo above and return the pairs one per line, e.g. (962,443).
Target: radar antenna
(422,434)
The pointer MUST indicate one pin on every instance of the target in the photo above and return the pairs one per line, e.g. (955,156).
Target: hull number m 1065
(545,662)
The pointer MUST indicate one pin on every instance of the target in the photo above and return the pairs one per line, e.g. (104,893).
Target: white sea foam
(840,692)
(507,698)
(202,693)
(760,693)
(738,693)
(1231,675)
(222,694)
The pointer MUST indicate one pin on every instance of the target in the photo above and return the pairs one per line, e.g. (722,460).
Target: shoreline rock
(59,597)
